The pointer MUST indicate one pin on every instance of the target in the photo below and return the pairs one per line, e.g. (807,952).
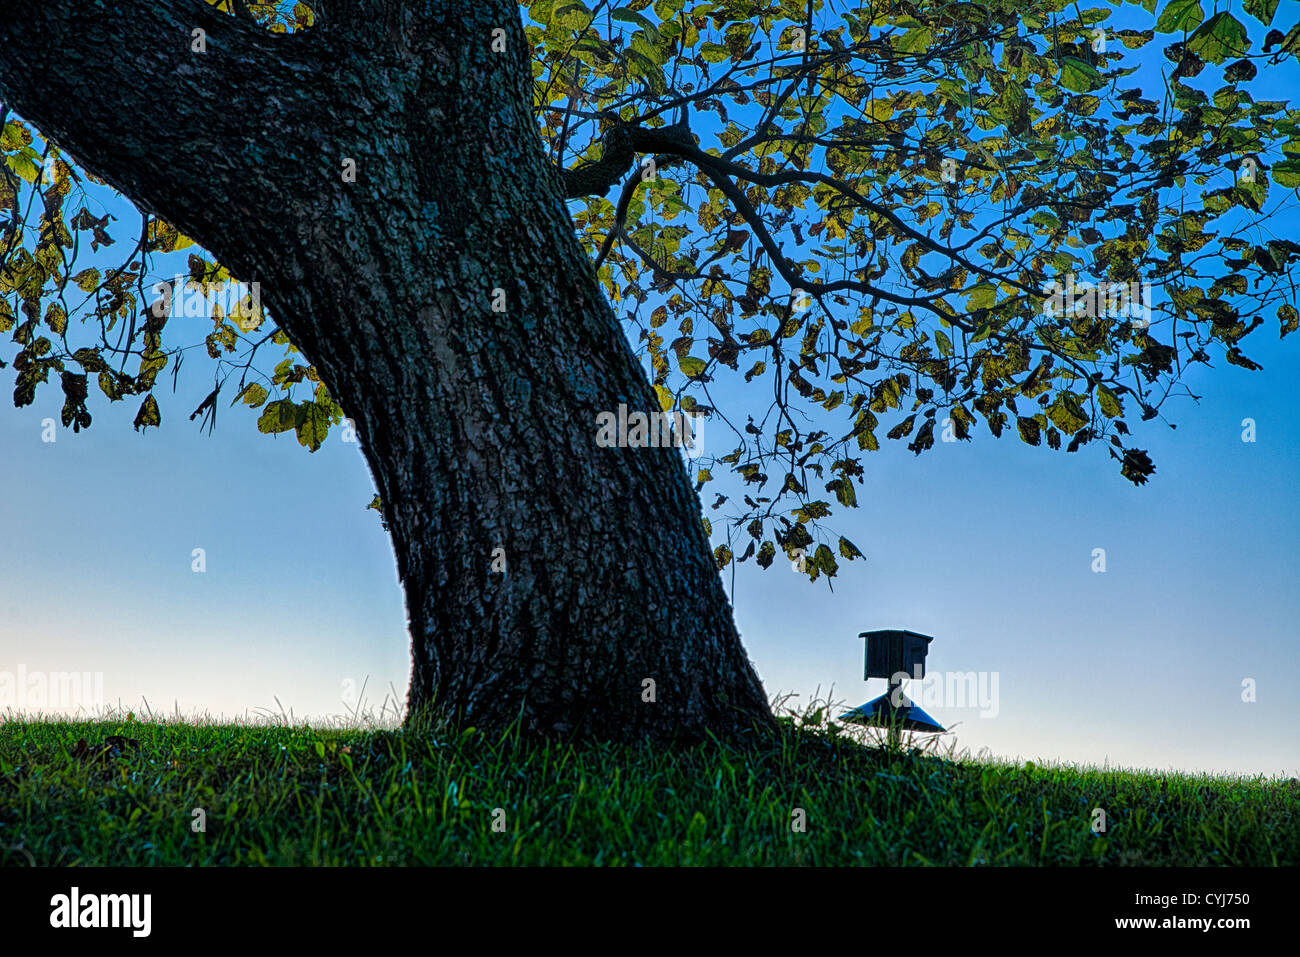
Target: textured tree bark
(479,425)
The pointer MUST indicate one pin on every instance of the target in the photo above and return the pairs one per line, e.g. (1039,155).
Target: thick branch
(619,145)
(194,137)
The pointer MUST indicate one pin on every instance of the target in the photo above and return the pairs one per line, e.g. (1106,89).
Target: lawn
(296,795)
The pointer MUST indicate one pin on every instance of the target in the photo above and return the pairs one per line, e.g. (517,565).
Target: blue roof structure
(882,713)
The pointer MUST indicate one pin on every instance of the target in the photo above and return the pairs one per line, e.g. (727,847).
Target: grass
(288,794)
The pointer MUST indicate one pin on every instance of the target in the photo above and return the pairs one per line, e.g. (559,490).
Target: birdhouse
(892,651)
(889,654)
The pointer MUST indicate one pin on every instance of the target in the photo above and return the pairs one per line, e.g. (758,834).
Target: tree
(931,213)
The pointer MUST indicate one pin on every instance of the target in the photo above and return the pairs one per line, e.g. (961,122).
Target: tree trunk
(479,425)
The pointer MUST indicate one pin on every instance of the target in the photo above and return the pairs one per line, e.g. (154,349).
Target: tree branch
(140,93)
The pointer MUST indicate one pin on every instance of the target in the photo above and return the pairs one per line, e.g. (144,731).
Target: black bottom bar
(331,906)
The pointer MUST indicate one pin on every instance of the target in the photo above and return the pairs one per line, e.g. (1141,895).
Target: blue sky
(988,546)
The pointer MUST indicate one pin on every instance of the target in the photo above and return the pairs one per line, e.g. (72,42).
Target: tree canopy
(886,220)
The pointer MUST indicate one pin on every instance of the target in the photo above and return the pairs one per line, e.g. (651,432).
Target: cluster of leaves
(881,197)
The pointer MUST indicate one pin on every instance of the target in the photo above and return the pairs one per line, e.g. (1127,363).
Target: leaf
(911,256)
(714,52)
(1080,75)
(1286,173)
(570,16)
(1220,37)
(148,414)
(313,424)
(280,416)
(1067,414)
(824,559)
(87,280)
(56,318)
(924,437)
(222,337)
(1289,318)
(90,360)
(845,494)
(691,366)
(1180,15)
(917,40)
(902,429)
(1029,431)
(1238,358)
(24,167)
(1109,402)
(253,395)
(1261,10)
(108,385)
(626,15)
(982,296)
(1136,466)
(14,136)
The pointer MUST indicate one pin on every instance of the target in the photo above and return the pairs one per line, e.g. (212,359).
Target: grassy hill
(298,795)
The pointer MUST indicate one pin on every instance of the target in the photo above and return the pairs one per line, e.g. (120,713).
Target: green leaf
(824,559)
(1286,173)
(1066,413)
(313,424)
(916,40)
(1220,37)
(645,23)
(982,296)
(280,416)
(845,494)
(571,16)
(14,136)
(24,167)
(1013,107)
(1080,75)
(1261,10)
(714,52)
(253,395)
(691,366)
(648,50)
(1179,15)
